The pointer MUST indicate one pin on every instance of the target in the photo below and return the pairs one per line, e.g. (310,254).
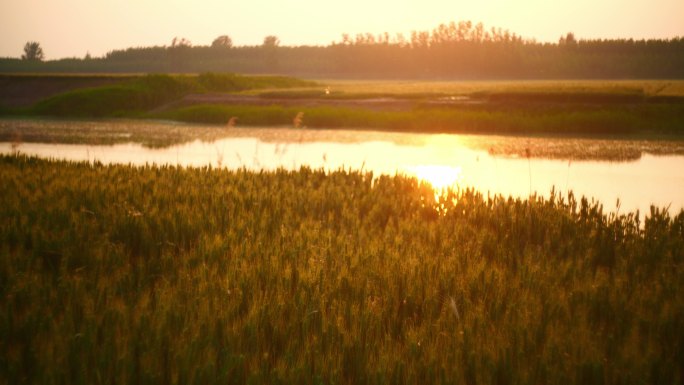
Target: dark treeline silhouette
(460,50)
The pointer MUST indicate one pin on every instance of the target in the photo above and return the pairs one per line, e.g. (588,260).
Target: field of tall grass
(118,274)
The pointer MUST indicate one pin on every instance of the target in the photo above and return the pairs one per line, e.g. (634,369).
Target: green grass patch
(118,274)
(606,120)
(120,99)
(141,94)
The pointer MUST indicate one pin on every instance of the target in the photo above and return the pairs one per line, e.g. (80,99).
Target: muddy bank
(26,90)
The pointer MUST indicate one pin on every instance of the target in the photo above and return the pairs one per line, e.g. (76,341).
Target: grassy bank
(638,120)
(24,90)
(168,275)
(573,87)
(139,94)
(627,108)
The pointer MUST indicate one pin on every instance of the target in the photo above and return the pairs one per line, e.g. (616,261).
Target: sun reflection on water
(439,176)
(444,162)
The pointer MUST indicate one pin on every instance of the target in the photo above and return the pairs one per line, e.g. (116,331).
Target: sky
(72,28)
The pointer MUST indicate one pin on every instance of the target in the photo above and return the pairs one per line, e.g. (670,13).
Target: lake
(457,161)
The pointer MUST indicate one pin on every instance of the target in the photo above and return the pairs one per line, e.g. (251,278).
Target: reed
(160,274)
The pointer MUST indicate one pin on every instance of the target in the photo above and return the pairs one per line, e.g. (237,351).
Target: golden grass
(200,276)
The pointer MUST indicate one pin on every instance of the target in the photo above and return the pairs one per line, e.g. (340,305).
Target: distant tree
(271,41)
(33,51)
(452,50)
(270,52)
(568,39)
(223,41)
(346,40)
(400,40)
(180,42)
(478,33)
(420,39)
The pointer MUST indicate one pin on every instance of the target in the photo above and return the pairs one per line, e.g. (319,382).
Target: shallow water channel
(442,160)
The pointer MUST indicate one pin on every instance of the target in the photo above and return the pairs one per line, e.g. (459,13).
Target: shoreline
(163,133)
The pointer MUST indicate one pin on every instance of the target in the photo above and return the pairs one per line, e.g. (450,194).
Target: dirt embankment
(26,90)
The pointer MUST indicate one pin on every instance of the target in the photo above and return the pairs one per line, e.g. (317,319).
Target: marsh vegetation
(164,274)
(612,109)
(239,271)
(124,274)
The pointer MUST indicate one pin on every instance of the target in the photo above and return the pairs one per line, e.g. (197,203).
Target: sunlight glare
(440,177)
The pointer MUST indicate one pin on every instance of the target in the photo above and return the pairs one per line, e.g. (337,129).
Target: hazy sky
(68,28)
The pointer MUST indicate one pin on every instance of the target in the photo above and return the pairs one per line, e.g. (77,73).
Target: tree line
(462,50)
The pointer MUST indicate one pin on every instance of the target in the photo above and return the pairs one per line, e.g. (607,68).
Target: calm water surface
(443,160)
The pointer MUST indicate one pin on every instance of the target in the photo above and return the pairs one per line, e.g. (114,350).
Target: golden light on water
(440,177)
